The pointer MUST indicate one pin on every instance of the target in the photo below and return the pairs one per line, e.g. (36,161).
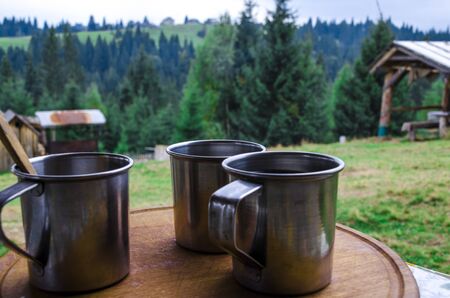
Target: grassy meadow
(395,191)
(21,42)
(185,32)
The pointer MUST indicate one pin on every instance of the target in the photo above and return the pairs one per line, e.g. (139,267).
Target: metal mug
(75,218)
(277,219)
(196,173)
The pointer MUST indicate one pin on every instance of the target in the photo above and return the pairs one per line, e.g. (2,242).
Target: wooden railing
(416,108)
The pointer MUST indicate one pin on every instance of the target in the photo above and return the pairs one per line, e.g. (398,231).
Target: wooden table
(363,267)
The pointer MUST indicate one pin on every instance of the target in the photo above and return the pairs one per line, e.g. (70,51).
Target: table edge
(410,287)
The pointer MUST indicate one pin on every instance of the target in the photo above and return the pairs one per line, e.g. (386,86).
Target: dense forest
(275,83)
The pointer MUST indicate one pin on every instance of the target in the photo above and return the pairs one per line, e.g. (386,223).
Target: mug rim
(16,171)
(171,148)
(255,174)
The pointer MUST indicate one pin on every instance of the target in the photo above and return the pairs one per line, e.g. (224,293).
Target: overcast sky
(424,14)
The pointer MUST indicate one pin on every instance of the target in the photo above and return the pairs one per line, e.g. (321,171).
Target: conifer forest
(274,82)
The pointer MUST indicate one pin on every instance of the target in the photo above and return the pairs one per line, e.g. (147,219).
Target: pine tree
(219,110)
(92,26)
(248,38)
(359,97)
(12,93)
(13,96)
(33,81)
(162,127)
(140,102)
(102,56)
(54,78)
(209,85)
(6,71)
(112,129)
(72,97)
(190,125)
(315,123)
(144,79)
(93,99)
(72,67)
(35,46)
(88,55)
(275,103)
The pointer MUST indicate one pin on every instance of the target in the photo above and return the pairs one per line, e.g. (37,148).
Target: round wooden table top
(362,267)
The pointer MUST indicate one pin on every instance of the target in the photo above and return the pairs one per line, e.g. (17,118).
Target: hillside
(185,32)
(336,43)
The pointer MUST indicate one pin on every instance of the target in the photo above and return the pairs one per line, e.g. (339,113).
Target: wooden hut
(52,121)
(28,136)
(417,59)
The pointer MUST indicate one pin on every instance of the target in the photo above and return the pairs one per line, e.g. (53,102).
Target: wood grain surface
(363,267)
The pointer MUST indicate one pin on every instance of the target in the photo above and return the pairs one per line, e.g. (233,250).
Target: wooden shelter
(417,59)
(28,136)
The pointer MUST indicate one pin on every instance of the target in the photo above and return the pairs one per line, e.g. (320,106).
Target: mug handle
(223,208)
(7,196)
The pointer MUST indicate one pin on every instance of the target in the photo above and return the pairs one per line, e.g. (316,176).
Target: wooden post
(386,103)
(443,131)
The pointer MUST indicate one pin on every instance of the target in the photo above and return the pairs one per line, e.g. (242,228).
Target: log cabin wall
(29,140)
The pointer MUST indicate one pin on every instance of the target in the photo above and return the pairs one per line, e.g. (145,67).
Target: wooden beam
(409,64)
(404,59)
(446,95)
(397,77)
(383,59)
(416,108)
(443,131)
(386,102)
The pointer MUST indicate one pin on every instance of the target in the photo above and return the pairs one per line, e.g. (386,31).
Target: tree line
(271,82)
(268,86)
(337,43)
(135,80)
(14,27)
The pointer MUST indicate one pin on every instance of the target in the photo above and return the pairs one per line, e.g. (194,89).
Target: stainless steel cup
(196,173)
(75,218)
(277,219)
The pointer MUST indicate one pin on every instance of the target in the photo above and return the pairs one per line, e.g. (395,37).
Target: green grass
(395,191)
(105,35)
(150,185)
(21,42)
(399,193)
(185,32)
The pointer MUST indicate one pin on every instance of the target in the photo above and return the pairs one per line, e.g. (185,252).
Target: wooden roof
(428,56)
(10,115)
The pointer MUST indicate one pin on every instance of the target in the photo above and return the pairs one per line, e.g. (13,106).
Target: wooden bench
(411,127)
